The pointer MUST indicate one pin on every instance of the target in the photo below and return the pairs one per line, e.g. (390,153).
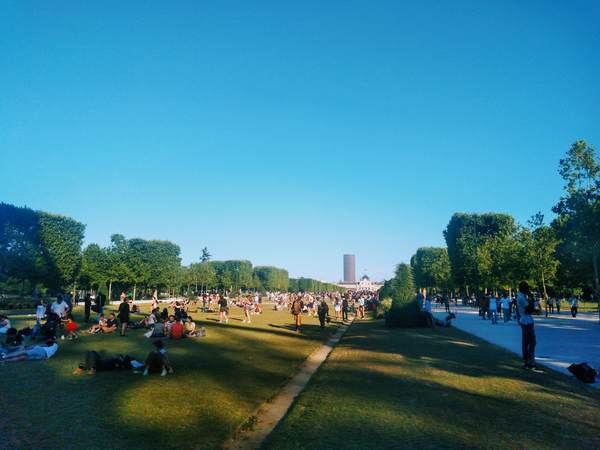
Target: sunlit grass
(218,382)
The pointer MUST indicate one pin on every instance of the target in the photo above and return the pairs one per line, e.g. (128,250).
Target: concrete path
(270,413)
(561,339)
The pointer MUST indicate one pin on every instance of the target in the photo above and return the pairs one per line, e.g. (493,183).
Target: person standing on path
(296,308)
(124,314)
(525,308)
(345,309)
(323,312)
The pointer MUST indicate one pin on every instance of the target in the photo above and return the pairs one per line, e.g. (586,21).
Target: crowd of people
(54,321)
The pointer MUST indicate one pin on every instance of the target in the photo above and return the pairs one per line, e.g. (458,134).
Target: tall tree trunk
(134,289)
(544,287)
(109,290)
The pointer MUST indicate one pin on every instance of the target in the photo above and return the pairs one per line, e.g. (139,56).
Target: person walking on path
(557,301)
(124,314)
(296,308)
(574,306)
(493,310)
(525,308)
(505,307)
(323,312)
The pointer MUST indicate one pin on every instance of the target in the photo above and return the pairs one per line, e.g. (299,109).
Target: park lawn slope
(435,388)
(218,382)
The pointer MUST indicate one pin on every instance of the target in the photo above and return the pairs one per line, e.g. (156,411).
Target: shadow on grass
(219,380)
(385,388)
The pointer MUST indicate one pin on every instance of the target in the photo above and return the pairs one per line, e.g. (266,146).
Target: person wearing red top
(71,329)
(177,330)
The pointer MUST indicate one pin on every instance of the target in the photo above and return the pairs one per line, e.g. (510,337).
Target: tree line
(492,252)
(43,250)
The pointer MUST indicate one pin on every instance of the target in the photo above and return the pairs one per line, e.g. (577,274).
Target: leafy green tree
(205,255)
(466,236)
(94,267)
(431,268)
(61,239)
(542,252)
(579,207)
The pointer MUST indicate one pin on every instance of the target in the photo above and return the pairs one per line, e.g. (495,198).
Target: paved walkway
(270,413)
(561,339)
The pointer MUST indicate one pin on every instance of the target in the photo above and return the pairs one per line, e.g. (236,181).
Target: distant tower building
(349,269)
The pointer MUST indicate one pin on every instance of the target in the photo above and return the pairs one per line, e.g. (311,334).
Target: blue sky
(289,133)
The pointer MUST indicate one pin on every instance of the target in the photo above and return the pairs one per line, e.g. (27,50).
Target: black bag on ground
(583,372)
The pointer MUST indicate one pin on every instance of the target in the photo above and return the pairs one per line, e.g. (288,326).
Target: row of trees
(311,285)
(491,251)
(38,249)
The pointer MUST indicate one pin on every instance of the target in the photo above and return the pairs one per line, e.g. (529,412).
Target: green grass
(218,382)
(435,388)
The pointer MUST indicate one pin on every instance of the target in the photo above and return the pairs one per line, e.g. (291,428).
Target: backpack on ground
(583,372)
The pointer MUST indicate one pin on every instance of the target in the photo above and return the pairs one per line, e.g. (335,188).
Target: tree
(205,255)
(579,207)
(466,237)
(94,267)
(431,268)
(61,239)
(542,252)
(405,310)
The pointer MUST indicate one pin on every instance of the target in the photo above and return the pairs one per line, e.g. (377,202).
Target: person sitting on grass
(176,330)
(191,331)
(111,324)
(94,362)
(71,329)
(97,328)
(4,324)
(37,352)
(157,361)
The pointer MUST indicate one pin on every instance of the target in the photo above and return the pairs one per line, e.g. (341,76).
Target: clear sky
(289,133)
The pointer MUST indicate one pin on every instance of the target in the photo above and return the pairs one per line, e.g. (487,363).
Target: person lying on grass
(157,360)
(37,352)
(94,362)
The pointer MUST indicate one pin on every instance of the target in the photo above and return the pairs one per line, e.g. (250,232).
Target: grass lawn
(218,382)
(436,388)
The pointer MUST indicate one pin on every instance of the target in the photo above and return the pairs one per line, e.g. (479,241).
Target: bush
(383,307)
(405,314)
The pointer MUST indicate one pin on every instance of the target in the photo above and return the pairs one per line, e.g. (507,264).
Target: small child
(71,329)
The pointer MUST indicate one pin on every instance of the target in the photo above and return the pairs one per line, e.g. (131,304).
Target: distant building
(349,269)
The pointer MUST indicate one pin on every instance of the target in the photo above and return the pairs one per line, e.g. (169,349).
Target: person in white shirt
(60,307)
(40,311)
(505,308)
(37,352)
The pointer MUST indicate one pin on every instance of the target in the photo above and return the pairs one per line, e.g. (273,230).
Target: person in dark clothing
(345,309)
(87,308)
(124,315)
(323,313)
(95,363)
